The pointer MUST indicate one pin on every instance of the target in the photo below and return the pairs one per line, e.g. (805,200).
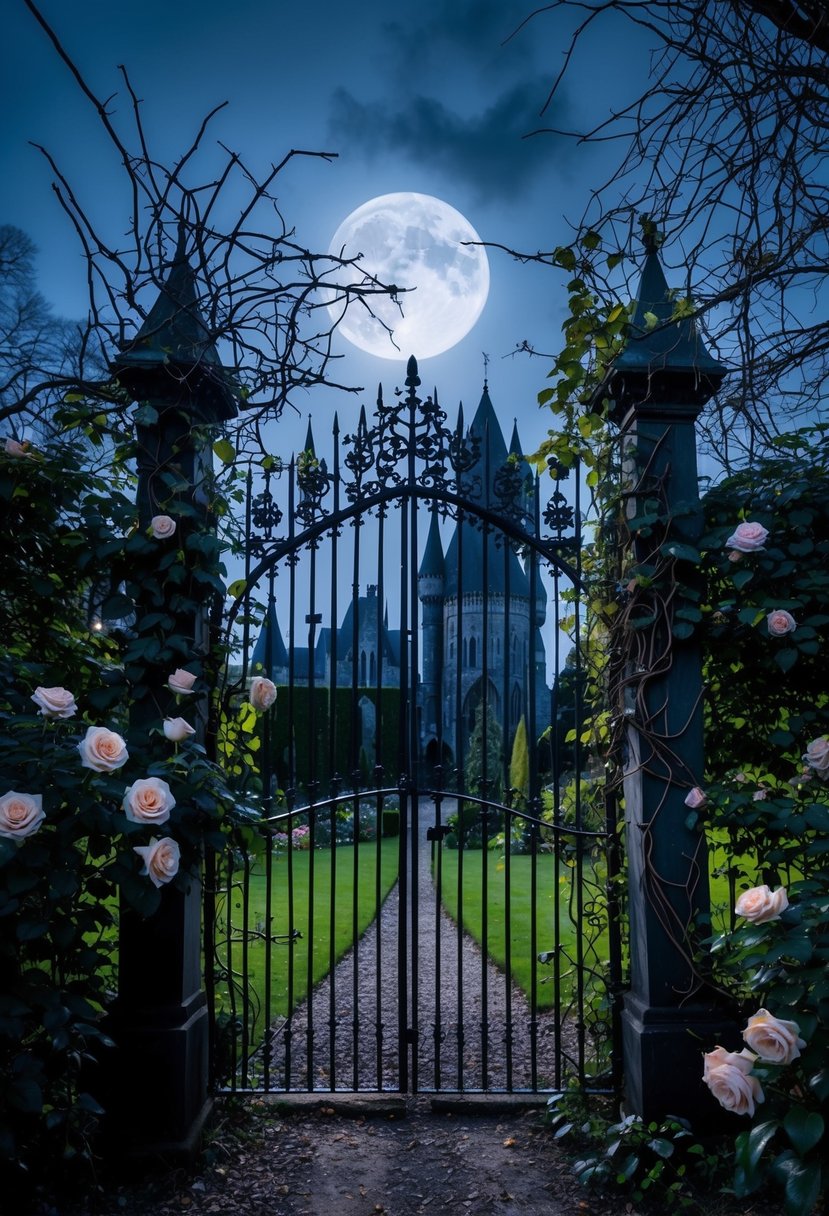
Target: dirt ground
(261,1161)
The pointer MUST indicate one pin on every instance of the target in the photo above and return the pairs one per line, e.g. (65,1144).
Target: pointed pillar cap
(664,365)
(173,355)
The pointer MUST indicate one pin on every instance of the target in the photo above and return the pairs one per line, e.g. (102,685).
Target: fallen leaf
(509,1142)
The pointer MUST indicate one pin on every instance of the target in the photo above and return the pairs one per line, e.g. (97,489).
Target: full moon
(413,241)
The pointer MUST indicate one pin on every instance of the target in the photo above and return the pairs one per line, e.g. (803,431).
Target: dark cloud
(487,150)
(482,29)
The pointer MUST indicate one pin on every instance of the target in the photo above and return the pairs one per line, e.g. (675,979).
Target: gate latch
(437,831)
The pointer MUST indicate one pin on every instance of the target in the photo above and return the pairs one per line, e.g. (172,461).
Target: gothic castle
(482,610)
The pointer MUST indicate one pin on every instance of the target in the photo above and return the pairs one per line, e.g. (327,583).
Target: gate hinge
(437,831)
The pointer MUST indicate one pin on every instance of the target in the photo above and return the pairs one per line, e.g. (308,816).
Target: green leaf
(751,1145)
(819,1082)
(662,1147)
(786,659)
(804,1128)
(225,450)
(740,577)
(802,1188)
(686,553)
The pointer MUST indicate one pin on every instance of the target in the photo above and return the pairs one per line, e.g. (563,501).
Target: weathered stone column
(155,1090)
(657,386)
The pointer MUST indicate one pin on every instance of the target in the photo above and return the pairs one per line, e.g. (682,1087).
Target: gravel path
(456,1047)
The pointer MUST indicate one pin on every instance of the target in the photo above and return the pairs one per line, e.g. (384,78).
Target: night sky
(423,96)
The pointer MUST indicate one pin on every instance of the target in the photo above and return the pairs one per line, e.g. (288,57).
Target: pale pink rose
(148,800)
(162,526)
(262,693)
(760,904)
(773,1039)
(55,702)
(696,798)
(747,537)
(181,682)
(817,756)
(759,796)
(15,448)
(780,622)
(728,1075)
(103,750)
(20,815)
(161,859)
(177,729)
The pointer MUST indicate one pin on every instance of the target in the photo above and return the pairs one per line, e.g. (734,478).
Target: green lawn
(555,895)
(547,881)
(289,963)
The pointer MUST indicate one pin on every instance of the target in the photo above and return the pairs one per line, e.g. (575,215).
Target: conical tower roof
(270,636)
(433,565)
(493,456)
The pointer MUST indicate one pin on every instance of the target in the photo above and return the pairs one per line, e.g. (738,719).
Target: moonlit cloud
(488,149)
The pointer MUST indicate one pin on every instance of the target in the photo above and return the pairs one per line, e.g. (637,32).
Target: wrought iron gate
(420,893)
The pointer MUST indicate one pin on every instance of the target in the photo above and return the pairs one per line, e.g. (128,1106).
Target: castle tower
(486,607)
(430,587)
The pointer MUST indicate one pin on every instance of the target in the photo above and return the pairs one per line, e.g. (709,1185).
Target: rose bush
(69,847)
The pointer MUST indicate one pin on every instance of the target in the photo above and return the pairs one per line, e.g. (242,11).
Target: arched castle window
(473,652)
(515,705)
(372,668)
(363,667)
(466,652)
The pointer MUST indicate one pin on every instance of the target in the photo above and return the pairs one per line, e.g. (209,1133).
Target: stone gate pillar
(155,1091)
(657,387)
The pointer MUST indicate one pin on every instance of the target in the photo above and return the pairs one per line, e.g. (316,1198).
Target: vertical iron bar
(578,876)
(266,773)
(460,757)
(403,877)
(379,759)
(292,771)
(246,1001)
(331,775)
(410,558)
(535,805)
(508,827)
(311,786)
(356,717)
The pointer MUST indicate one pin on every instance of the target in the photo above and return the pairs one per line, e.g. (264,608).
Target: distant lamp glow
(97,625)
(412,241)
